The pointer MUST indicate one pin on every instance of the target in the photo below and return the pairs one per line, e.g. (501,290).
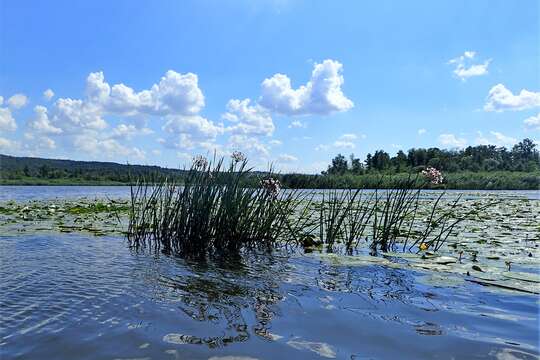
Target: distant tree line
(523,157)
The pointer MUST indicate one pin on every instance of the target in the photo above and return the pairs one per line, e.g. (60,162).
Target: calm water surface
(25,193)
(84,297)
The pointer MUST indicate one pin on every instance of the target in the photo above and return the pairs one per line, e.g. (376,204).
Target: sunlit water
(86,297)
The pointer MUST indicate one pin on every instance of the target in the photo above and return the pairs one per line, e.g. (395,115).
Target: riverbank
(496,180)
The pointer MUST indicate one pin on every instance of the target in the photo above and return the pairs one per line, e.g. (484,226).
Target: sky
(287,82)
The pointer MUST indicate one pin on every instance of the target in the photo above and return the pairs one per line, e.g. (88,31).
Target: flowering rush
(200,161)
(272,186)
(237,156)
(433,175)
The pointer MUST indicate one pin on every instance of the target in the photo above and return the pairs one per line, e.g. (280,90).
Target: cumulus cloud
(345,141)
(421,131)
(248,119)
(41,123)
(495,138)
(108,147)
(256,150)
(297,124)
(349,137)
(452,140)
(128,131)
(39,142)
(73,115)
(82,122)
(344,144)
(501,99)
(466,68)
(48,94)
(533,122)
(192,128)
(321,95)
(7,122)
(175,94)
(17,101)
(286,158)
(8,146)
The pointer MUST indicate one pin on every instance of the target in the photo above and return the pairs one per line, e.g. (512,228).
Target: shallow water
(77,296)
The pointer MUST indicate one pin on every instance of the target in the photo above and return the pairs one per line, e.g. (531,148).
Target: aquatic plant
(212,212)
(433,175)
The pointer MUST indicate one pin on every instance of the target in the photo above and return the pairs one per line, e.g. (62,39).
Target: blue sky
(287,82)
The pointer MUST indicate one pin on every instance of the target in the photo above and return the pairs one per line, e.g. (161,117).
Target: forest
(475,167)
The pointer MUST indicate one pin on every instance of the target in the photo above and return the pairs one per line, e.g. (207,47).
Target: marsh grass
(211,213)
(217,211)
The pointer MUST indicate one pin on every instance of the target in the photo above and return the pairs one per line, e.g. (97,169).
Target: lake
(75,295)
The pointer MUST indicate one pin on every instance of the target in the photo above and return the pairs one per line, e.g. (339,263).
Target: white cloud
(48,94)
(297,124)
(17,101)
(74,115)
(495,138)
(128,131)
(175,94)
(465,67)
(7,122)
(348,137)
(344,144)
(248,119)
(452,140)
(41,123)
(501,99)
(322,147)
(286,158)
(321,95)
(1,100)
(39,142)
(9,146)
(256,151)
(191,131)
(110,148)
(421,131)
(275,142)
(82,122)
(345,141)
(533,122)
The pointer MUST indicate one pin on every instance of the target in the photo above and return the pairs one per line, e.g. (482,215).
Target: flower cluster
(238,156)
(433,175)
(272,187)
(200,162)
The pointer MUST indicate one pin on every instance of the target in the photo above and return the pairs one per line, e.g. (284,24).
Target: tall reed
(223,209)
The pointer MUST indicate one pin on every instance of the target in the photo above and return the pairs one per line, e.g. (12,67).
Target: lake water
(76,296)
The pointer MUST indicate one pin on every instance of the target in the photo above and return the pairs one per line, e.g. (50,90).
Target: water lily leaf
(535,278)
(444,260)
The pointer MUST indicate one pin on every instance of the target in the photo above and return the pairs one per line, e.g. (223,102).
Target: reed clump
(217,210)
(212,212)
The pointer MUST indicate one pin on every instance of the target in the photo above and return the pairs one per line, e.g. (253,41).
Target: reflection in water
(92,297)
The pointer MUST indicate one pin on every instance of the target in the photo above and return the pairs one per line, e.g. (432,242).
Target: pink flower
(238,156)
(200,161)
(433,175)
(272,186)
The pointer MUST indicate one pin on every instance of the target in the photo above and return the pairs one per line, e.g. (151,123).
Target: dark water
(85,297)
(79,297)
